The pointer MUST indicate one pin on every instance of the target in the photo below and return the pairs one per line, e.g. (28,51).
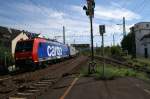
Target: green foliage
(108,73)
(5,56)
(128,43)
(137,61)
(116,50)
(108,51)
(86,52)
(111,72)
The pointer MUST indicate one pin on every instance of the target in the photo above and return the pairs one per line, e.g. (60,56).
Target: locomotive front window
(24,46)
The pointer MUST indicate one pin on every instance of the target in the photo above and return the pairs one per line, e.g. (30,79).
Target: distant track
(118,63)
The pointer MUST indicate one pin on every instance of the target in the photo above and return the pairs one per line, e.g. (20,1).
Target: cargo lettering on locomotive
(54,51)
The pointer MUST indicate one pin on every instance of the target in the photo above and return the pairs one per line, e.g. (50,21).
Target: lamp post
(123,27)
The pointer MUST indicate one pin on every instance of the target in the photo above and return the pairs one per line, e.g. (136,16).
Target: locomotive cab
(23,53)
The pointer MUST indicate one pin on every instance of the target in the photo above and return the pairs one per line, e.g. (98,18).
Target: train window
(147,25)
(24,46)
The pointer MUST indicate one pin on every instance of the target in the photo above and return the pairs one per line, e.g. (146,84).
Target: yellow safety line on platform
(69,88)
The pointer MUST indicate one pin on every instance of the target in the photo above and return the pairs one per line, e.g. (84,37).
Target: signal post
(102,31)
(90,12)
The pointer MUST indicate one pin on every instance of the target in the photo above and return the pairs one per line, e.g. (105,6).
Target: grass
(143,61)
(137,61)
(112,72)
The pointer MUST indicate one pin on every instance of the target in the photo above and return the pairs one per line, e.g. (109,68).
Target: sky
(48,17)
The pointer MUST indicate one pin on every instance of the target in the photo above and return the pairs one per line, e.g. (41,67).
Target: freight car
(73,51)
(34,53)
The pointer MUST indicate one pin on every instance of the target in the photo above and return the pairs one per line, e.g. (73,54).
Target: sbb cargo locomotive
(34,53)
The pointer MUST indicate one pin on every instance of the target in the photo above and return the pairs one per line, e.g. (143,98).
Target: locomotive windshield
(24,46)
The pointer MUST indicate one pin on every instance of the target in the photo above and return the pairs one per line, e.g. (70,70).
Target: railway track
(31,84)
(118,63)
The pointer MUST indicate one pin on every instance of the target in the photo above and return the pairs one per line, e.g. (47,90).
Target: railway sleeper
(35,90)
(25,93)
(17,97)
(23,96)
(44,82)
(28,93)
(38,87)
(49,80)
(37,84)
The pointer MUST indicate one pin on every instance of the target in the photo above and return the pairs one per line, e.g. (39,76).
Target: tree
(5,56)
(116,50)
(128,43)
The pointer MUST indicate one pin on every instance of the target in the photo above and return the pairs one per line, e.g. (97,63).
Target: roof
(42,39)
(10,34)
(31,35)
(142,23)
(14,33)
(145,36)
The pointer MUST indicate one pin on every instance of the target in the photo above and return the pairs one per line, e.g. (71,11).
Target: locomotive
(34,53)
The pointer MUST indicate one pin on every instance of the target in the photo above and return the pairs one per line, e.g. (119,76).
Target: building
(81,47)
(142,38)
(9,37)
(20,36)
(145,41)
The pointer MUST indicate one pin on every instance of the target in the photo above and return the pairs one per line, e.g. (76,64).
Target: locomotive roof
(41,38)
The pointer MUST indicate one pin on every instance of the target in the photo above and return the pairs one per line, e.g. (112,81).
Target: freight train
(34,53)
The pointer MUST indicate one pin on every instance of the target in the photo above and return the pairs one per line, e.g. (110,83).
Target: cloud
(49,21)
(115,13)
(111,12)
(53,19)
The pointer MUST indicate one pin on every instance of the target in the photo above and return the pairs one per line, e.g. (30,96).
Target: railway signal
(89,9)
(102,31)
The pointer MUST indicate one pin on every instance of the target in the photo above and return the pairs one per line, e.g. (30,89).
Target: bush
(116,50)
(5,56)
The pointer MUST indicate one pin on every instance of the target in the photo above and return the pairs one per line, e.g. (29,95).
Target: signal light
(87,13)
(93,4)
(89,8)
(85,8)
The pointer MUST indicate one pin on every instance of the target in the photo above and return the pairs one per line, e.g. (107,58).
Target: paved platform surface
(88,88)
